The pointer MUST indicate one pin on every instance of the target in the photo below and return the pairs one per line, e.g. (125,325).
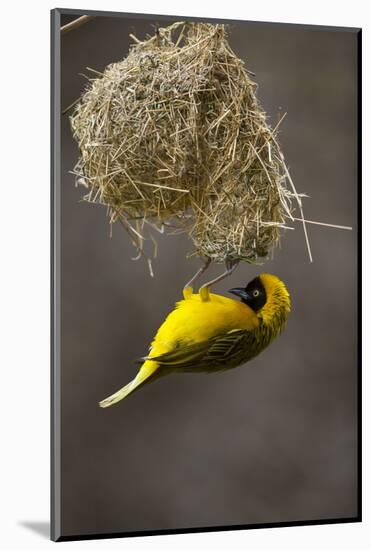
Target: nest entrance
(173,136)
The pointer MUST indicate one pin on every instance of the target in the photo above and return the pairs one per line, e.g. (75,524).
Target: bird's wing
(219,351)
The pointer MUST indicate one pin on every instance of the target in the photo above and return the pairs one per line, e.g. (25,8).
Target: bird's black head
(253,295)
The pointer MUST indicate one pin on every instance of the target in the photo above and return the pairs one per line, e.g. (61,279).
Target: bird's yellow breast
(194,320)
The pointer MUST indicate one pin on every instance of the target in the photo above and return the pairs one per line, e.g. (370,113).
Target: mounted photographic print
(205,301)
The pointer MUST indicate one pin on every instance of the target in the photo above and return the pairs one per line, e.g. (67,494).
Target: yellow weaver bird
(207,332)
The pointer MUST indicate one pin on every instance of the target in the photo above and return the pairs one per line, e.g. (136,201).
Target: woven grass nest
(173,138)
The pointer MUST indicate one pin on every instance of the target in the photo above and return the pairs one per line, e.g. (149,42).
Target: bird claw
(230,266)
(197,275)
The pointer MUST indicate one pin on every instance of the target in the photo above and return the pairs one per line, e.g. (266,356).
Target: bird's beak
(241,292)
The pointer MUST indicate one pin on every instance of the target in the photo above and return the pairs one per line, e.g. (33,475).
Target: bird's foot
(188,288)
(230,266)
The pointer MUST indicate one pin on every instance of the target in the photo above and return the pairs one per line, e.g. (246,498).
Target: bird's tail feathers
(145,372)
(120,394)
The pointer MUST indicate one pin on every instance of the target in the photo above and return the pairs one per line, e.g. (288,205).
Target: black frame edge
(160,532)
(359,271)
(162,17)
(55,508)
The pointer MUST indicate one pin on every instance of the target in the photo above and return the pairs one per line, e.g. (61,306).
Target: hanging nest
(173,136)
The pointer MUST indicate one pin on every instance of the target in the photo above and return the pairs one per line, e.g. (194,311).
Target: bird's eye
(256,293)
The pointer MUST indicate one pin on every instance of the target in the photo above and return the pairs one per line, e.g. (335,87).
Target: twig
(65,111)
(76,23)
(347,227)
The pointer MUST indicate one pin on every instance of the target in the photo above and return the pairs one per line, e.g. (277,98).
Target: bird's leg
(188,288)
(230,266)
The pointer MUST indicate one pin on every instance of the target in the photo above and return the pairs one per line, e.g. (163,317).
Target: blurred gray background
(269,442)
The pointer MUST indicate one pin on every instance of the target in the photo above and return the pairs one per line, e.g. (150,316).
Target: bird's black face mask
(253,294)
